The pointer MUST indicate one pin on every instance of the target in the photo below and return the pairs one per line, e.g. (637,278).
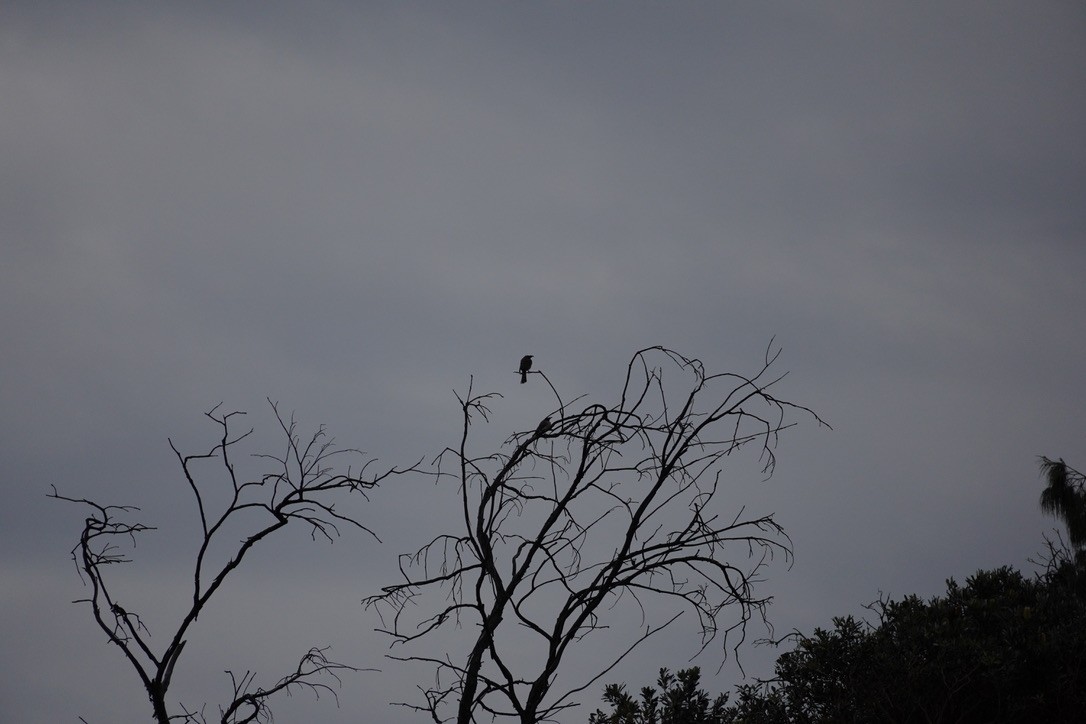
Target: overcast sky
(351,208)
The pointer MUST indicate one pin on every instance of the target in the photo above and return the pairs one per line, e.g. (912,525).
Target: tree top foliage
(1000,648)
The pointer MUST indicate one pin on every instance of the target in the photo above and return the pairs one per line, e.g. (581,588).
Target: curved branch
(609,528)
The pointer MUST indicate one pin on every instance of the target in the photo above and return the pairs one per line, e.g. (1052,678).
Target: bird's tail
(523,376)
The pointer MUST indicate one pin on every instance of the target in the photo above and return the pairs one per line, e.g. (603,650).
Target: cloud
(351,209)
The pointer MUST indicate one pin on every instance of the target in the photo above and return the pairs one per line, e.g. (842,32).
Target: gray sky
(353,207)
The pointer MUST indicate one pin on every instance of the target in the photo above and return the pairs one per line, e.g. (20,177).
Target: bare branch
(303,487)
(252,706)
(588,511)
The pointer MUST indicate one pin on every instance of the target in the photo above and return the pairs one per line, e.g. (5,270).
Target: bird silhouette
(544,425)
(525,365)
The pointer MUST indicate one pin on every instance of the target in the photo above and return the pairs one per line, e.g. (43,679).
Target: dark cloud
(352,208)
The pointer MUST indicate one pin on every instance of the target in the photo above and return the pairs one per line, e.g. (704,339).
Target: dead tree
(593,509)
(300,488)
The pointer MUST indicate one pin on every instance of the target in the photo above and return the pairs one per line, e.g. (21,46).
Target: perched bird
(544,425)
(525,365)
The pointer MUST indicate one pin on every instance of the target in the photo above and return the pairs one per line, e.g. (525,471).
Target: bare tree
(301,487)
(593,509)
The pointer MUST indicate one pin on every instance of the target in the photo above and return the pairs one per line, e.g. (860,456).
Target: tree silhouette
(606,507)
(680,700)
(1002,648)
(1065,497)
(300,488)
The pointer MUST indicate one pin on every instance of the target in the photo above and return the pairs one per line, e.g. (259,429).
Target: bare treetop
(301,487)
(606,506)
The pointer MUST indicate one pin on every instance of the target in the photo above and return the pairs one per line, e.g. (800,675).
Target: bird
(544,425)
(525,365)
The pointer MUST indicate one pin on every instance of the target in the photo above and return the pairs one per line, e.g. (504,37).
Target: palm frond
(1065,497)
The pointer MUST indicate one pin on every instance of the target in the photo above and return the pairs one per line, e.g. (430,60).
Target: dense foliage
(1001,648)
(680,702)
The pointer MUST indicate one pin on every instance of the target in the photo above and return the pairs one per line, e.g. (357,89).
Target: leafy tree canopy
(1001,648)
(680,701)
